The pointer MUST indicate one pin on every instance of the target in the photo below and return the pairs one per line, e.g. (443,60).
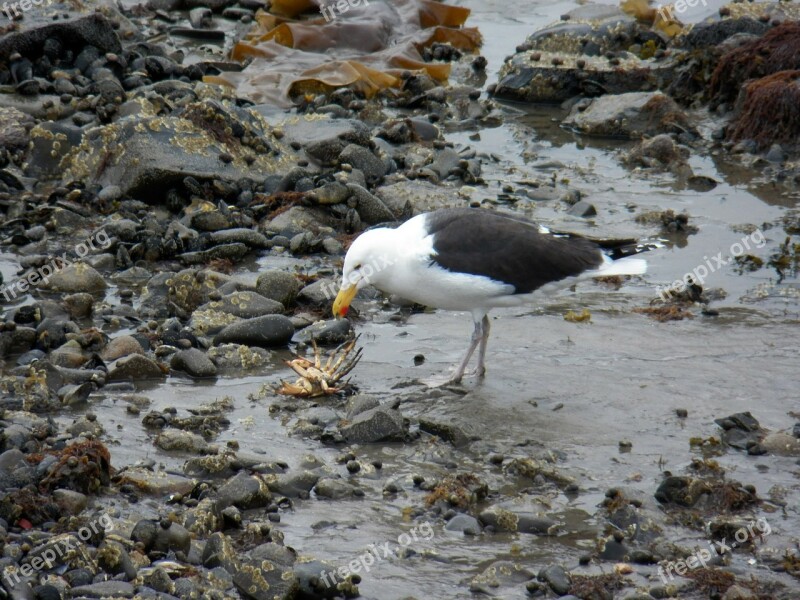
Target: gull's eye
(357,267)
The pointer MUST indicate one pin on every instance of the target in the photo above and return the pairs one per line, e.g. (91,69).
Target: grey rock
(332,192)
(140,154)
(31,33)
(775,154)
(244,491)
(232,252)
(232,357)
(134,366)
(266,332)
(466,524)
(121,346)
(72,395)
(325,139)
(557,578)
(375,425)
(104,589)
(582,208)
(194,362)
(14,129)
(334,489)
(200,18)
(301,219)
(446,161)
(158,483)
(364,160)
(320,293)
(326,333)
(447,431)
(84,426)
(61,546)
(212,4)
(738,592)
(239,235)
(332,246)
(110,193)
(183,441)
(79,305)
(414,197)
(78,277)
(219,552)
(780,443)
(264,580)
(275,553)
(359,404)
(172,538)
(301,243)
(248,305)
(631,115)
(294,485)
(370,208)
(587,33)
(113,558)
(210,220)
(279,286)
(516,520)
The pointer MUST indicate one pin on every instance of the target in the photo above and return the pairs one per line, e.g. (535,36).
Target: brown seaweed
(367,48)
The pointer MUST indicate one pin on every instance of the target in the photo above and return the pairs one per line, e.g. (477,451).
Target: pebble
(266,332)
(194,362)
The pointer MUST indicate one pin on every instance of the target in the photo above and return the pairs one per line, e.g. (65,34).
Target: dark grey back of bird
(507,248)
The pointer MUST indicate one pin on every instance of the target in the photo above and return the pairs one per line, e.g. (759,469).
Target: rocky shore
(180,180)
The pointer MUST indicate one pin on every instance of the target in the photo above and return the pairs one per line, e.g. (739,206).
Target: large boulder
(145,156)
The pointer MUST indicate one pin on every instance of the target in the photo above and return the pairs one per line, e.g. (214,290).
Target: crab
(316,380)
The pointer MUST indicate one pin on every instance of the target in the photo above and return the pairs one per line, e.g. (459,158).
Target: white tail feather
(623,266)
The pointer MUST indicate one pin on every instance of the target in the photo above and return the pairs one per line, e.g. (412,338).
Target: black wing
(506,248)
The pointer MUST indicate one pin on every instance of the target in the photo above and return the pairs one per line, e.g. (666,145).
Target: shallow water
(578,389)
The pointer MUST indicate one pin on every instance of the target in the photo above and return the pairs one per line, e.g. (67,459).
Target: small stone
(466,524)
(375,425)
(557,578)
(277,285)
(364,160)
(134,366)
(193,362)
(121,346)
(76,278)
(582,208)
(264,332)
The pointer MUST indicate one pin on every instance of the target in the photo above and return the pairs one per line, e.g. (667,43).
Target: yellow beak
(343,300)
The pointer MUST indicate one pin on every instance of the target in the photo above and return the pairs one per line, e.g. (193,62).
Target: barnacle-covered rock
(589,53)
(207,140)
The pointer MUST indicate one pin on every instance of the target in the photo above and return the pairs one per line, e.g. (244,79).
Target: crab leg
(350,365)
(317,357)
(347,349)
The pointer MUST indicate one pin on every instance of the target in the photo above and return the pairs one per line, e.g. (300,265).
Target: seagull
(469,259)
